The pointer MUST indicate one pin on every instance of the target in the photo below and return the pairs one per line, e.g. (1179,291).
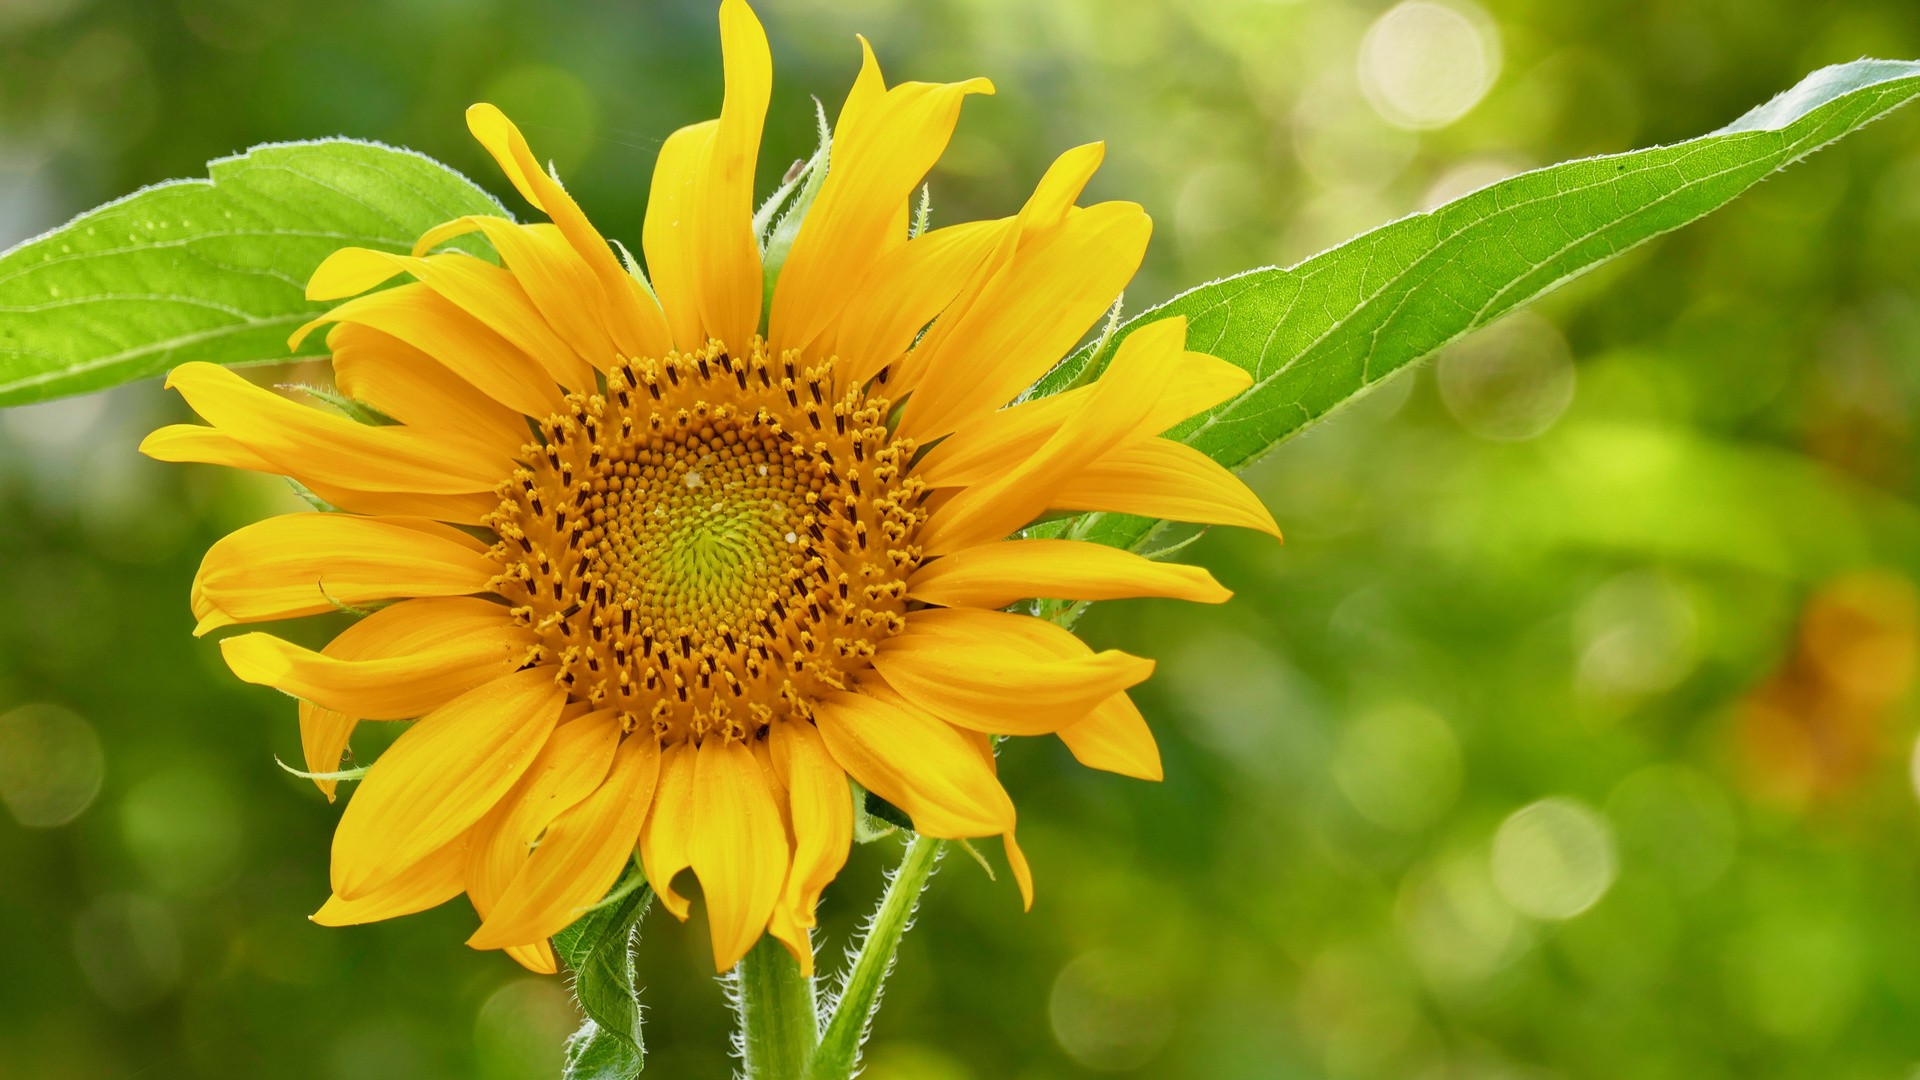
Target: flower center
(712,541)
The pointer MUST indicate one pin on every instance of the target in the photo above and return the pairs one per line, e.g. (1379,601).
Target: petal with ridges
(1115,737)
(304,564)
(821,809)
(904,290)
(397,689)
(1160,478)
(442,775)
(668,241)
(395,630)
(307,443)
(731,289)
(988,672)
(996,574)
(880,153)
(1103,422)
(633,318)
(581,855)
(738,847)
(916,762)
(557,279)
(428,883)
(415,389)
(669,828)
(438,327)
(570,767)
(494,295)
(1000,441)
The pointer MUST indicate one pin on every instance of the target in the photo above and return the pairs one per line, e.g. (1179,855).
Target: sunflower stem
(839,1050)
(779,1025)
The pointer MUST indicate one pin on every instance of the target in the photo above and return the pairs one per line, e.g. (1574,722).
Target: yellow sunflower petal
(445,773)
(821,808)
(1105,420)
(570,767)
(492,130)
(307,443)
(432,881)
(537,957)
(1115,737)
(881,151)
(1029,302)
(668,237)
(738,847)
(632,317)
(304,564)
(324,735)
(731,289)
(494,295)
(468,347)
(918,763)
(1000,441)
(1022,873)
(707,265)
(1161,478)
(903,291)
(1034,312)
(1002,673)
(196,442)
(395,630)
(557,279)
(996,574)
(397,688)
(669,829)
(417,390)
(581,855)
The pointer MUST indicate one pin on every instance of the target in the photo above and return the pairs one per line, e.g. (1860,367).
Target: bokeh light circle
(1425,64)
(51,765)
(128,949)
(1399,766)
(1110,1012)
(1554,859)
(1510,381)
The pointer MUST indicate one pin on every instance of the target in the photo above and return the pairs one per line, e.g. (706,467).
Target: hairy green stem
(840,1043)
(778,1023)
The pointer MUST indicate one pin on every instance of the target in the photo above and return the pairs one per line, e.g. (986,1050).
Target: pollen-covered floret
(711,542)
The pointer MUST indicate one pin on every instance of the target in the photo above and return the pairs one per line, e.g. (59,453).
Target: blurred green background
(1567,736)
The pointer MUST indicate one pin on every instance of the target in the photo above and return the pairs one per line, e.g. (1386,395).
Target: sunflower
(653,573)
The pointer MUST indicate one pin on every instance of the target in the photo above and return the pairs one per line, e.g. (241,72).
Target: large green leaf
(210,269)
(1327,330)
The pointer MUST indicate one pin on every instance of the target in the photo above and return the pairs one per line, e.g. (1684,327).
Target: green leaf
(1325,331)
(211,269)
(598,947)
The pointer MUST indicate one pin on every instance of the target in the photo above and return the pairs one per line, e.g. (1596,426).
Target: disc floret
(711,542)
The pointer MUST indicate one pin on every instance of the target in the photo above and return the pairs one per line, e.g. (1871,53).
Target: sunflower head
(658,576)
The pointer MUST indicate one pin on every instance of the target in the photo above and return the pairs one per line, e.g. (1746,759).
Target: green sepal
(780,237)
(598,947)
(352,408)
(868,826)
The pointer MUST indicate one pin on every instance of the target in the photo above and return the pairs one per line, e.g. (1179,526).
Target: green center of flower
(701,527)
